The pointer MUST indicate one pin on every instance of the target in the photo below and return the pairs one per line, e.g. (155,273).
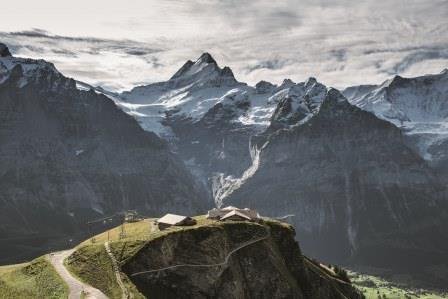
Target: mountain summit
(204,69)
(68,156)
(206,58)
(4,51)
(305,149)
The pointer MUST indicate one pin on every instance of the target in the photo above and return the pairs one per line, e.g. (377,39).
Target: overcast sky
(120,44)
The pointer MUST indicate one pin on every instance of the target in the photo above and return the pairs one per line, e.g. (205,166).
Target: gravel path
(76,287)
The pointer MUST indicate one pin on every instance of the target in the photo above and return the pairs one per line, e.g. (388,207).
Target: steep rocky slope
(357,185)
(358,193)
(418,106)
(237,260)
(68,155)
(209,117)
(271,268)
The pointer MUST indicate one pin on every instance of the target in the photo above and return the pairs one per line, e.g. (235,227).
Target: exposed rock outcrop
(419,106)
(356,183)
(4,51)
(68,156)
(351,182)
(273,267)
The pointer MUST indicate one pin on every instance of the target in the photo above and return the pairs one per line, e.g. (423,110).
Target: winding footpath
(124,291)
(76,287)
(226,260)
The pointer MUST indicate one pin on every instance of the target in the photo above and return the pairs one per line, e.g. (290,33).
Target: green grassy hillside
(91,264)
(36,279)
(374,288)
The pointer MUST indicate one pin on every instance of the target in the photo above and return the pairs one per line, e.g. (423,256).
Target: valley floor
(374,288)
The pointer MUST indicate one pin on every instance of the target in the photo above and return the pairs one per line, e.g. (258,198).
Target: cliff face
(272,267)
(196,111)
(351,182)
(418,106)
(358,191)
(68,156)
(214,145)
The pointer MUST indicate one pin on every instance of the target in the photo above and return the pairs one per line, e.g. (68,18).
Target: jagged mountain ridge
(418,106)
(269,165)
(210,117)
(356,187)
(226,132)
(69,155)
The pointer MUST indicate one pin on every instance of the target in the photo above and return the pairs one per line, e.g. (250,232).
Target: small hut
(132,216)
(174,220)
(235,215)
(219,214)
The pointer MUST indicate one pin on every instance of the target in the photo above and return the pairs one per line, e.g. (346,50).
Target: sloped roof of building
(229,208)
(235,213)
(218,213)
(172,219)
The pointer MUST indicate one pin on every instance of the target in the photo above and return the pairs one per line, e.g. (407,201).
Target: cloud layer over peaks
(120,44)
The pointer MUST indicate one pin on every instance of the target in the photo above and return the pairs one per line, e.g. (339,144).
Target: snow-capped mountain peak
(264,87)
(183,69)
(417,105)
(206,58)
(297,103)
(4,51)
(335,96)
(286,84)
(192,91)
(26,70)
(203,70)
(310,81)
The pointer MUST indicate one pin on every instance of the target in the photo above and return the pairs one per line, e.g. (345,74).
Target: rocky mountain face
(274,267)
(418,106)
(351,181)
(359,188)
(364,188)
(188,110)
(209,117)
(68,156)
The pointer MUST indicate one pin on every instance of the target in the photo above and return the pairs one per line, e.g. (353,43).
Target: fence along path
(124,290)
(226,260)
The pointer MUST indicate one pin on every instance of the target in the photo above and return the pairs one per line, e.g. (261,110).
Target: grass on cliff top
(37,279)
(137,234)
(92,265)
(374,287)
(145,229)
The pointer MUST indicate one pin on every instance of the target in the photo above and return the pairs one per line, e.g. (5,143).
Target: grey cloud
(93,45)
(401,49)
(137,52)
(40,33)
(339,54)
(91,73)
(94,60)
(253,16)
(64,52)
(259,39)
(418,56)
(273,64)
